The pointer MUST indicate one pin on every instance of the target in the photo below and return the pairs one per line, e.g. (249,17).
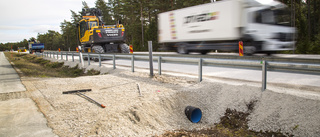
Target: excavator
(95,36)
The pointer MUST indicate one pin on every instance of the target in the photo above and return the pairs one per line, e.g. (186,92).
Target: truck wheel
(182,50)
(124,48)
(248,48)
(204,52)
(98,49)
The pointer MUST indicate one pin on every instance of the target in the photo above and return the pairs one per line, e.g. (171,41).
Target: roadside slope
(161,106)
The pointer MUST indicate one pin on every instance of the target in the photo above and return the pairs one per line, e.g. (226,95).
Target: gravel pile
(161,106)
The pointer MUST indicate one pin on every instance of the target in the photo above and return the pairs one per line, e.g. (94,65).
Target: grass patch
(53,64)
(72,72)
(33,66)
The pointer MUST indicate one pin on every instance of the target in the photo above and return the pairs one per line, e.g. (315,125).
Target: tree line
(140,20)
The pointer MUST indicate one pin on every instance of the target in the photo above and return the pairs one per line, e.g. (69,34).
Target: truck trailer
(262,27)
(36,47)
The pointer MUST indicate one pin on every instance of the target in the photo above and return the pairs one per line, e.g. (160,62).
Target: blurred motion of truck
(263,27)
(36,47)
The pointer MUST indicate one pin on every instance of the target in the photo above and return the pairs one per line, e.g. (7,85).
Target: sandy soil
(161,106)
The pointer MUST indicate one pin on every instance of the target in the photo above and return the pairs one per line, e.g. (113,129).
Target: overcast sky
(23,19)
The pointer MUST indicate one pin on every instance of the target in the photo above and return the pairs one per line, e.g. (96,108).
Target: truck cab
(268,28)
(35,47)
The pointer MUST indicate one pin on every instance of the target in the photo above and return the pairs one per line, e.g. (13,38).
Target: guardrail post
(61,56)
(159,65)
(79,58)
(99,60)
(132,63)
(57,55)
(88,59)
(50,54)
(72,57)
(264,75)
(114,61)
(200,69)
(67,56)
(150,58)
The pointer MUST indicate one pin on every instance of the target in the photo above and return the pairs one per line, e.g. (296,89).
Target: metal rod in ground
(76,91)
(90,99)
(139,89)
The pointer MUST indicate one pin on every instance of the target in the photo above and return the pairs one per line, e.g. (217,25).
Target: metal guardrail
(234,63)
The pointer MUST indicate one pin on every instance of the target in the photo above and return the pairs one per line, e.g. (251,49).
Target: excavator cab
(86,27)
(83,27)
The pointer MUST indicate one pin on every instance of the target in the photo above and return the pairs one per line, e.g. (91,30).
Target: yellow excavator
(97,37)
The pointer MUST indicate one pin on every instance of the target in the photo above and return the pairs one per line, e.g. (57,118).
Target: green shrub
(54,64)
(93,72)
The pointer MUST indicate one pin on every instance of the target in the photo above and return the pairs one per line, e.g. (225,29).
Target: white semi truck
(263,27)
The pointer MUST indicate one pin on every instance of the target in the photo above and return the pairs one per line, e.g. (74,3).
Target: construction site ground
(160,104)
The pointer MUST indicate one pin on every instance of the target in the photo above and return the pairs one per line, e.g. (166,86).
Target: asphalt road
(301,56)
(229,73)
(294,79)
